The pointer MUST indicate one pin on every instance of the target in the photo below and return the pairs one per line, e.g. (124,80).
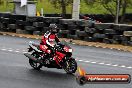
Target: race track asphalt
(15,71)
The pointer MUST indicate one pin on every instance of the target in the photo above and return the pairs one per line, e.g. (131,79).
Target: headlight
(70,50)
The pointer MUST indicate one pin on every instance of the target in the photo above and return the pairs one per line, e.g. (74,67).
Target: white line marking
(93,62)
(86,61)
(80,60)
(101,63)
(129,67)
(17,51)
(115,65)
(107,64)
(123,66)
(10,50)
(3,49)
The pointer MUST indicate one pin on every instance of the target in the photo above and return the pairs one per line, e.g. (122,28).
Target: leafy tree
(61,4)
(1,2)
(111,6)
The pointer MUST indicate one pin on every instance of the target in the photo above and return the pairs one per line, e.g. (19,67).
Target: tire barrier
(86,30)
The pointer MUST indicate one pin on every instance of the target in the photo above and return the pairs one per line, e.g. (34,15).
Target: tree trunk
(124,6)
(63,8)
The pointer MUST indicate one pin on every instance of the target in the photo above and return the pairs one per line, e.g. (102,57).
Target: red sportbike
(61,59)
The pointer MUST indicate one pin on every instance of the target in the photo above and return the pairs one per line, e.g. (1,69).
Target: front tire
(70,66)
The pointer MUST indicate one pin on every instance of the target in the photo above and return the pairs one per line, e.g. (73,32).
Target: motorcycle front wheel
(35,65)
(70,66)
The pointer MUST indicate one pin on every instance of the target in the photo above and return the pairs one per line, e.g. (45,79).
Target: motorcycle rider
(49,39)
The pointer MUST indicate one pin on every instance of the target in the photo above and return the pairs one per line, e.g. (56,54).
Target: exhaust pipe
(31,57)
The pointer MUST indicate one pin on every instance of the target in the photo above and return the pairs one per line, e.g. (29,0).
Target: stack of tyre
(35,25)
(39,25)
(25,25)
(115,33)
(75,29)
(67,28)
(4,21)
(84,31)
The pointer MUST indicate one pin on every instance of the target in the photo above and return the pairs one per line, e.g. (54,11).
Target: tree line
(109,5)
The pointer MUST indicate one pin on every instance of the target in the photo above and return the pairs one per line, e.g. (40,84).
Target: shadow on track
(51,75)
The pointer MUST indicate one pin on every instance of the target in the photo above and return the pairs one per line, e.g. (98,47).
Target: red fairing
(45,49)
(58,57)
(43,40)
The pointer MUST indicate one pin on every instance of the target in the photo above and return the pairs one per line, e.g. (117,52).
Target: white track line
(129,67)
(80,60)
(93,62)
(108,64)
(101,63)
(123,66)
(3,49)
(10,50)
(17,51)
(87,61)
(115,65)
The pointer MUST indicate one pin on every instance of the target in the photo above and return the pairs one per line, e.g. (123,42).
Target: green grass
(6,7)
(48,8)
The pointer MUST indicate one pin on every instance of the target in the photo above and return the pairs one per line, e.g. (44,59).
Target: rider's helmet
(53,28)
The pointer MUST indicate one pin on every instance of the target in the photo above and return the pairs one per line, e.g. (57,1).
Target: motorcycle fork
(30,49)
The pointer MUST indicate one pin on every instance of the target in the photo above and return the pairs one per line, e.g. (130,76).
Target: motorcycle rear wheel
(35,65)
(70,66)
